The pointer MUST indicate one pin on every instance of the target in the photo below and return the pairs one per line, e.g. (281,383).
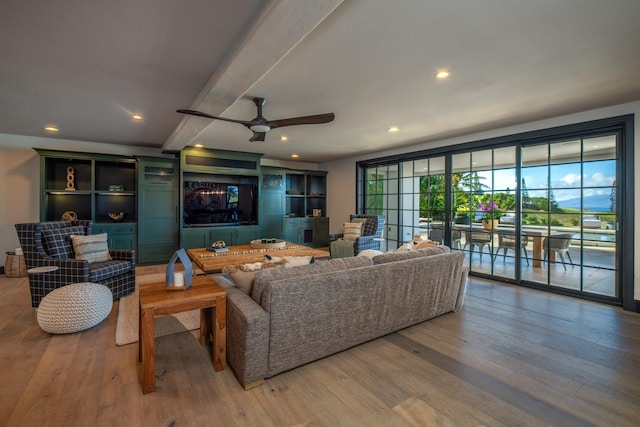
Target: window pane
(565,175)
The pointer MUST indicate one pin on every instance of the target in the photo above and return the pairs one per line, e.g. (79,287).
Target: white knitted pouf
(74,308)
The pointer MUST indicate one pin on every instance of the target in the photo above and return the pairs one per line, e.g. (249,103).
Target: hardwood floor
(512,356)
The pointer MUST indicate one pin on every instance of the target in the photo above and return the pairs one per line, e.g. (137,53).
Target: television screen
(217,203)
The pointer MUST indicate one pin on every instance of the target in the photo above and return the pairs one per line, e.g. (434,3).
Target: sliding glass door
(570,198)
(543,212)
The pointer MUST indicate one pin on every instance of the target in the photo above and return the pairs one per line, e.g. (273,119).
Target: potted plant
(491,214)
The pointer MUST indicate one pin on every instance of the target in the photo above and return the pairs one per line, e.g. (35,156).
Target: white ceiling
(86,66)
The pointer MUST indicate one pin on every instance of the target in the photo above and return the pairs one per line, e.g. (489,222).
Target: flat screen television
(227,201)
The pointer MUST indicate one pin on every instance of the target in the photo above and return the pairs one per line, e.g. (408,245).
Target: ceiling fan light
(259,128)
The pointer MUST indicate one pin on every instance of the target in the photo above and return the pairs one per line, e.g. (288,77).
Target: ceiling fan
(260,126)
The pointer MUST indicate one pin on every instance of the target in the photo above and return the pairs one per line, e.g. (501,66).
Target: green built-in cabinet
(294,206)
(159,199)
(219,197)
(93,186)
(158,204)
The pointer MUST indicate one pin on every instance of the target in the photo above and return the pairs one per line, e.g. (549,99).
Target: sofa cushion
(91,248)
(338,264)
(57,241)
(102,270)
(400,256)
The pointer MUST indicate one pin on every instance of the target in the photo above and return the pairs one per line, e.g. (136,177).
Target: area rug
(127,323)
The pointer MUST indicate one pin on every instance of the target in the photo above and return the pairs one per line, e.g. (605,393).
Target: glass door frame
(624,125)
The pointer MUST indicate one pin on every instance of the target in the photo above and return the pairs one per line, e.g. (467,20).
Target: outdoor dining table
(537,235)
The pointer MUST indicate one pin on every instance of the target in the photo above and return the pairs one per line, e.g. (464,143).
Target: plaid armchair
(371,233)
(49,244)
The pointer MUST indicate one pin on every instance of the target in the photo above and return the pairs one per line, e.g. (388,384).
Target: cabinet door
(321,234)
(244,235)
(290,231)
(158,236)
(119,236)
(195,238)
(272,213)
(226,234)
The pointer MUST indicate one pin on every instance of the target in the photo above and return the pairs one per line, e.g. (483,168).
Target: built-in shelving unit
(294,206)
(92,186)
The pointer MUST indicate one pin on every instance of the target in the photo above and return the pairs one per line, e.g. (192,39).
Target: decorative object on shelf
(179,280)
(267,244)
(218,246)
(272,181)
(117,217)
(71,179)
(116,188)
(317,212)
(69,216)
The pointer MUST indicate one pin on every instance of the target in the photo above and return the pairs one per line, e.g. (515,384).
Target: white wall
(19,184)
(341,191)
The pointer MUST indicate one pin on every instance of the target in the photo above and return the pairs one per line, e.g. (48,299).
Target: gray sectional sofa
(297,315)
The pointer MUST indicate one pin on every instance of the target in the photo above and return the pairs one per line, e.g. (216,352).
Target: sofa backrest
(320,314)
(271,274)
(403,255)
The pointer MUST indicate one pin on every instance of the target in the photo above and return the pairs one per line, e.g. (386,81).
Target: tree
(612,198)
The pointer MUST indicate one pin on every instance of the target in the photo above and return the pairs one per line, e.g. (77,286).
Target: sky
(597,178)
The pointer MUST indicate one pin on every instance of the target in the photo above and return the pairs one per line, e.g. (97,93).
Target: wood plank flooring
(512,357)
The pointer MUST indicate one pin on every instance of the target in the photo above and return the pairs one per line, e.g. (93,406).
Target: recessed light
(442,74)
(51,128)
(393,129)
(136,117)
(199,145)
(295,156)
(284,138)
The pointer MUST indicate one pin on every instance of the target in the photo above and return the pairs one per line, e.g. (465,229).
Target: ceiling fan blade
(209,116)
(306,120)
(257,136)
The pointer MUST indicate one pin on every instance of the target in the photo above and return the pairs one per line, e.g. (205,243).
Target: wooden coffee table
(213,262)
(155,300)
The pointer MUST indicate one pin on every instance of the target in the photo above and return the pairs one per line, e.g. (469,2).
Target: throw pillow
(290,261)
(92,248)
(362,220)
(370,253)
(243,275)
(352,230)
(57,241)
(425,244)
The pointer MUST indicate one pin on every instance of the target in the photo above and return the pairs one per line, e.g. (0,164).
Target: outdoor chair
(436,235)
(478,238)
(559,244)
(508,241)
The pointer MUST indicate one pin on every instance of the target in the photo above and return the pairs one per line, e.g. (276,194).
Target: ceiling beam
(282,25)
